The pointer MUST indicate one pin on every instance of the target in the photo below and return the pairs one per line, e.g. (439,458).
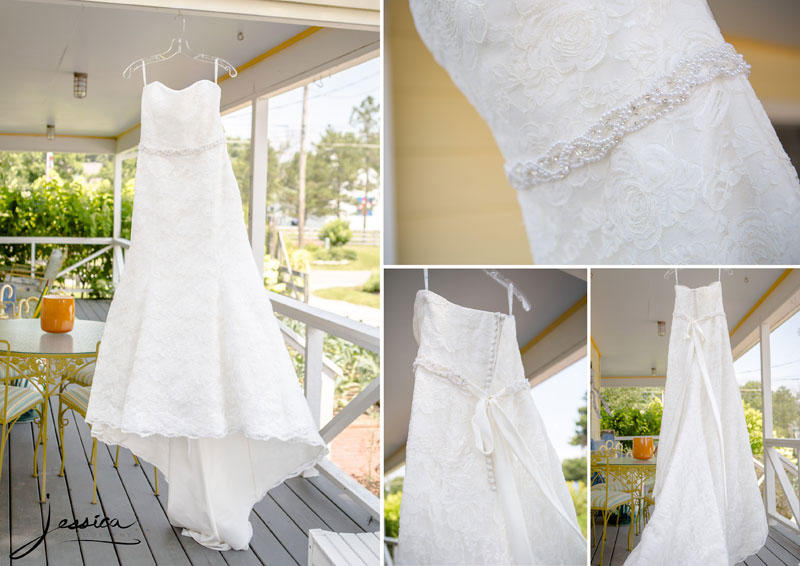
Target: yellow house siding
(453,202)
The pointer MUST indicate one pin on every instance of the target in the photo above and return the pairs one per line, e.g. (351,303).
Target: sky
(558,399)
(784,354)
(331,101)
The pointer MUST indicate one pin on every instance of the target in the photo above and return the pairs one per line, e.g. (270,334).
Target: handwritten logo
(98,522)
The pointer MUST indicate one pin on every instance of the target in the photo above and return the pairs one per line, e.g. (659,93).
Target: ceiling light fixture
(662,328)
(51,131)
(79,85)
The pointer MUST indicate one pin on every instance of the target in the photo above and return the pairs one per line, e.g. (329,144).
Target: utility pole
(301,173)
(366,188)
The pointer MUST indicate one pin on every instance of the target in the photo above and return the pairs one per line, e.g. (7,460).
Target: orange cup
(58,313)
(643,447)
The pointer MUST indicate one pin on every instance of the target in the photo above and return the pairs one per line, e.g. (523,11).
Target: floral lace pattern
(593,145)
(451,512)
(191,348)
(733,524)
(544,71)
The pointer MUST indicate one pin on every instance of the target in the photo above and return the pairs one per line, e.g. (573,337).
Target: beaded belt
(499,440)
(182,151)
(666,93)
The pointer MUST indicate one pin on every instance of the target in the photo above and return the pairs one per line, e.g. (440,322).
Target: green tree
(365,118)
(338,155)
(635,411)
(574,469)
(581,433)
(54,207)
(785,406)
(755,428)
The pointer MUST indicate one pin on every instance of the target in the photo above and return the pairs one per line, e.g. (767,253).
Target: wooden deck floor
(280,521)
(782,547)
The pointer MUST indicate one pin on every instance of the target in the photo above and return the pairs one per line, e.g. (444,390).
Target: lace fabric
(453,509)
(192,363)
(706,182)
(704,437)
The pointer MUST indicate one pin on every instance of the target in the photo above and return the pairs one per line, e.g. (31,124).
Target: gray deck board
(26,515)
(781,549)
(291,536)
(280,521)
(61,542)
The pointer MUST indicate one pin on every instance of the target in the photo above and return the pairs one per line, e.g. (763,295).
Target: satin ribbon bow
(696,335)
(498,437)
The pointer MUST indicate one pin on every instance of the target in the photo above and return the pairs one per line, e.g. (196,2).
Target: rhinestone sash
(667,92)
(181,151)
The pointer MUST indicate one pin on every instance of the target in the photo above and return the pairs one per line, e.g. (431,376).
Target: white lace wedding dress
(193,374)
(708,509)
(629,128)
(483,484)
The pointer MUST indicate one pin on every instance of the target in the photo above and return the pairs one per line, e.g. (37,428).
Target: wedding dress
(192,373)
(629,129)
(483,484)
(708,508)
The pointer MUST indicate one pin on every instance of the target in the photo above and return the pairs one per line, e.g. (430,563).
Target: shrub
(301,260)
(373,284)
(335,254)
(391,513)
(313,248)
(337,231)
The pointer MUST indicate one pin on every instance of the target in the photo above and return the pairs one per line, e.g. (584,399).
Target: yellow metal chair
(77,399)
(606,498)
(16,400)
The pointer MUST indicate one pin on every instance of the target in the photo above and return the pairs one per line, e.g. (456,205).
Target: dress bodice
(479,345)
(181,120)
(699,302)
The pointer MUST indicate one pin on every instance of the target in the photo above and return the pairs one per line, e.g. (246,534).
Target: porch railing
(113,245)
(779,466)
(319,381)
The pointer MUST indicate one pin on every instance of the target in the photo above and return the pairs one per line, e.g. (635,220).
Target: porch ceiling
(627,303)
(551,292)
(43,43)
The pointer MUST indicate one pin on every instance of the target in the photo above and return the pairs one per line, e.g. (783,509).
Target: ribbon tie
(496,435)
(695,333)
(693,329)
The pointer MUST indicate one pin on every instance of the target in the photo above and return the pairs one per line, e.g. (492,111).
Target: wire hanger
(674,271)
(512,289)
(179,45)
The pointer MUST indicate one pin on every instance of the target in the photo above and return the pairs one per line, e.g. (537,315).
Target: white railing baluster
(319,388)
(766,404)
(354,409)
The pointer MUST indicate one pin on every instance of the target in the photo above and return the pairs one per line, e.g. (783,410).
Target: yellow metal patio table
(46,360)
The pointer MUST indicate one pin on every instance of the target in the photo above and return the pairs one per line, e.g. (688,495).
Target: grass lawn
(369,257)
(350,294)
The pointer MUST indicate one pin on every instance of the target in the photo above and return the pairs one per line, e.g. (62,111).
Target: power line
(326,93)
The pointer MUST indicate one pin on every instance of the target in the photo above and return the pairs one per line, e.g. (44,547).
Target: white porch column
(259,146)
(116,257)
(766,404)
